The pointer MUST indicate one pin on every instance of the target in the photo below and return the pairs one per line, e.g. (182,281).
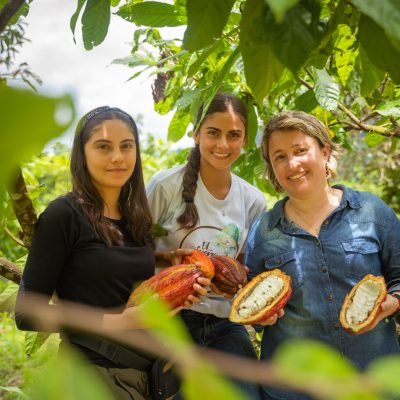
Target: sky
(89,76)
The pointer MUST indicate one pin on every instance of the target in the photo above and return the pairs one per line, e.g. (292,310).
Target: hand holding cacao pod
(262,298)
(362,306)
(174,285)
(229,276)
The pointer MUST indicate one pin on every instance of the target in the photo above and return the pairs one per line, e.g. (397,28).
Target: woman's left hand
(388,308)
(201,288)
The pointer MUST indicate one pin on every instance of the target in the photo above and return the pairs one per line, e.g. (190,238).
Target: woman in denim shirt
(326,238)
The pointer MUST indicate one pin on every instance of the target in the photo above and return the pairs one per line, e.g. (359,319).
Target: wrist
(397,296)
(396,314)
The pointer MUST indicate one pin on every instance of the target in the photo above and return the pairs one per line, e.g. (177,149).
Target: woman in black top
(92,245)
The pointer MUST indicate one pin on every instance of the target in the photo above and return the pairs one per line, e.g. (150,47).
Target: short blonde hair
(310,126)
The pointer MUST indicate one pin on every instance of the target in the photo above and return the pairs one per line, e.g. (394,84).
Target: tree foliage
(337,59)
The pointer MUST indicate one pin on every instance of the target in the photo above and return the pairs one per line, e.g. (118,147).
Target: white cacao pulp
(262,295)
(363,302)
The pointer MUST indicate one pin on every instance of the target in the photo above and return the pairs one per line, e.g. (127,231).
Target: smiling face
(110,155)
(298,162)
(220,139)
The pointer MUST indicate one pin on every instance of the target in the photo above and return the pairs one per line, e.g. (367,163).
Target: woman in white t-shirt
(204,206)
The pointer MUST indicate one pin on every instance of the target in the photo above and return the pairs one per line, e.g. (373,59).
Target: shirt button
(326,222)
(324,269)
(329,296)
(337,326)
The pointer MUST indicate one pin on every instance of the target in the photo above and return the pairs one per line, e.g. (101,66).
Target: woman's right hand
(272,320)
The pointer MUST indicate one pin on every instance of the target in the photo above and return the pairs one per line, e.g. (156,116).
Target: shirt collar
(350,198)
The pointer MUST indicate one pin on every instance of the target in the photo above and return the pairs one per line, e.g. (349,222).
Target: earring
(327,171)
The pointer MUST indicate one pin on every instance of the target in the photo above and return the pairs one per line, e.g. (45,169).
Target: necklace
(317,217)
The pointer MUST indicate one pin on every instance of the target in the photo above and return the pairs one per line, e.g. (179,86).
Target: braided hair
(222,102)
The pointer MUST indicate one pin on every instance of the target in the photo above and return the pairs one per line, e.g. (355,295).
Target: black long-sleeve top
(69,259)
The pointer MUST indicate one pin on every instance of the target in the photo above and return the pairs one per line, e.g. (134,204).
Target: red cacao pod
(198,256)
(362,304)
(173,284)
(261,298)
(230,275)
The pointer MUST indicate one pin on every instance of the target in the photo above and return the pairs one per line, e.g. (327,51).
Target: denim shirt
(359,237)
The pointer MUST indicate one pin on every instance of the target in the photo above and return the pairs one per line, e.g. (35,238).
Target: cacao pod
(230,275)
(173,284)
(261,298)
(198,256)
(362,304)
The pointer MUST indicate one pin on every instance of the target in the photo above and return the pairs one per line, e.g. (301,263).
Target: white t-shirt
(222,228)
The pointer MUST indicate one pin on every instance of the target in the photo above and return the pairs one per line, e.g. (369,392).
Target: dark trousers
(221,334)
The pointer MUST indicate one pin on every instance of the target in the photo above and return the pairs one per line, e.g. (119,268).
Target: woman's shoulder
(64,206)
(248,188)
(169,179)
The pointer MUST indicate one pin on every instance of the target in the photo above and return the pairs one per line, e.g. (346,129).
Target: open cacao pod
(362,305)
(261,298)
(173,284)
(230,275)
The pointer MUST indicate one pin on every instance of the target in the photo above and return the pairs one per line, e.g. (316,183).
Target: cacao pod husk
(208,267)
(173,284)
(362,304)
(230,275)
(261,298)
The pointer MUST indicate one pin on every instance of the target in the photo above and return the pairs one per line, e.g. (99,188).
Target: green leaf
(34,340)
(217,386)
(371,76)
(378,47)
(252,124)
(7,297)
(213,89)
(385,373)
(177,126)
(302,362)
(326,90)
(158,231)
(385,13)
(95,22)
(345,56)
(14,389)
(44,119)
(373,139)
(262,69)
(22,11)
(279,7)
(154,13)
(389,108)
(202,57)
(69,378)
(298,35)
(306,101)
(74,18)
(206,21)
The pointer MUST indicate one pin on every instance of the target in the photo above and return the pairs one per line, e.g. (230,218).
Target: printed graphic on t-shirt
(212,240)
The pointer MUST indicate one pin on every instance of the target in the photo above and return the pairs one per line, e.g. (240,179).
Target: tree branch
(23,207)
(10,271)
(8,11)
(359,124)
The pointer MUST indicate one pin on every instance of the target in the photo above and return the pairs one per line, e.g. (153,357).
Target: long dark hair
(133,203)
(222,102)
